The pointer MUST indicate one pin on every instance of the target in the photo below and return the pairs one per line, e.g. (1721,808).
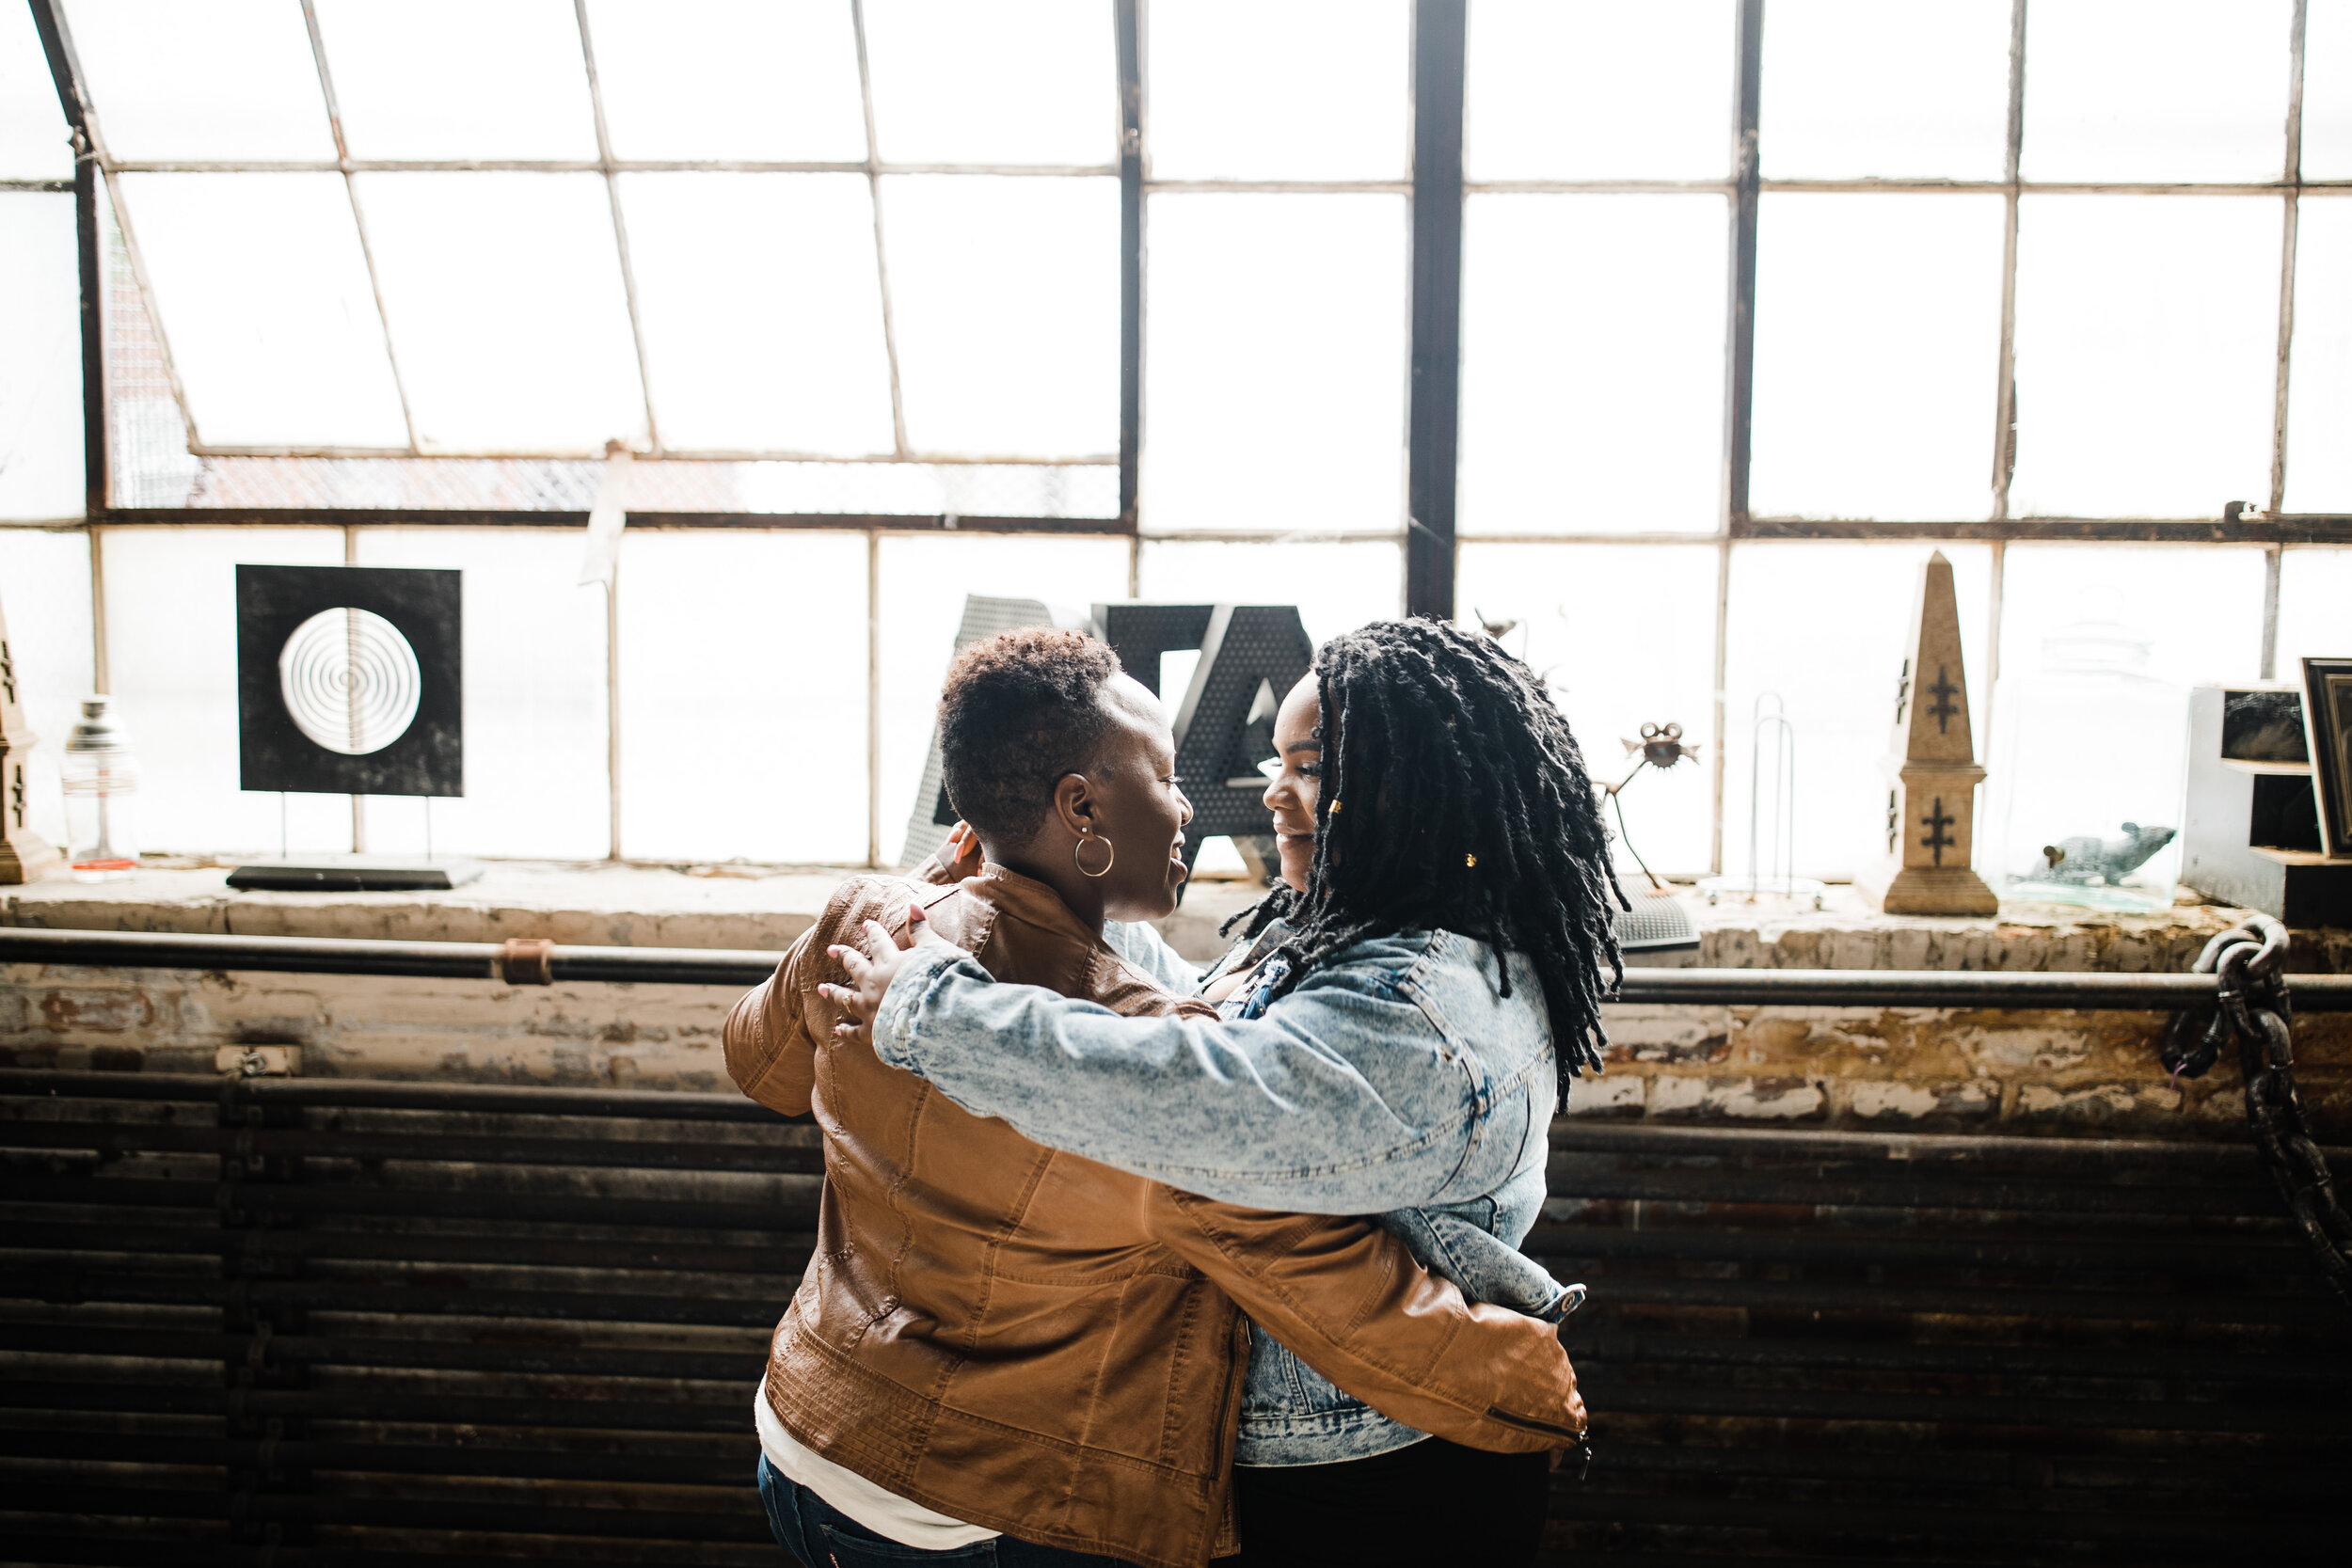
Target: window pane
(1878,332)
(172,664)
(41,371)
(2200,607)
(924,581)
(1275,362)
(518,339)
(149,463)
(45,579)
(1593,89)
(2315,586)
(1624,635)
(1592,363)
(2327,91)
(1321,89)
(956,83)
(721,696)
(459,79)
(2156,89)
(1337,587)
(2319,392)
(33,133)
(1823,626)
(783,356)
(1004,293)
(534,698)
(160,72)
(265,298)
(747,79)
(1859,88)
(2147,354)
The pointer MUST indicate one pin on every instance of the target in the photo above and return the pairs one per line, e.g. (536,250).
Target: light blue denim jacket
(1396,1079)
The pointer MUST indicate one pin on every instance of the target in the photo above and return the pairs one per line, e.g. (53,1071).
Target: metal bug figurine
(1661,747)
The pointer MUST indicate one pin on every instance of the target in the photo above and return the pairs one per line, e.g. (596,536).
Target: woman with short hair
(1391,1026)
(1004,1353)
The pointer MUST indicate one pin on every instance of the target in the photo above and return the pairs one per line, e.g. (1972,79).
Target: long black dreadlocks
(1453,796)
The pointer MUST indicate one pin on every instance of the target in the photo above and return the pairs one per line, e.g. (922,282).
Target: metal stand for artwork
(1776,875)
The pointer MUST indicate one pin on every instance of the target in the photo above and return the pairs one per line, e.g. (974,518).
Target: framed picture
(2328,726)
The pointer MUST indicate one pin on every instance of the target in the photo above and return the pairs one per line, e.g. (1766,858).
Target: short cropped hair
(1019,709)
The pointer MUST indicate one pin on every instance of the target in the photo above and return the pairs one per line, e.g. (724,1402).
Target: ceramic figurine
(23,854)
(2092,861)
(1932,808)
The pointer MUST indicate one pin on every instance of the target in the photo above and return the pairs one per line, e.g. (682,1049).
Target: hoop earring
(1077,855)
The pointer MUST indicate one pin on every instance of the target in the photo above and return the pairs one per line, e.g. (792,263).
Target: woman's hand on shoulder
(956,859)
(871,965)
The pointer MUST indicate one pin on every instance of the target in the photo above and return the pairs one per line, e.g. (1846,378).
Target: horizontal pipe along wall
(1996,1028)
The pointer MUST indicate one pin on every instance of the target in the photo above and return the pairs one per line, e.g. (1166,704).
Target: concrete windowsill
(761,909)
(1956,1071)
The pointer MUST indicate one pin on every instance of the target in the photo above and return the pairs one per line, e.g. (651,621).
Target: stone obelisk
(23,854)
(1933,768)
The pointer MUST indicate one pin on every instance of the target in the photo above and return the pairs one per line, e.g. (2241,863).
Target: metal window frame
(1436,190)
(2268,527)
(66,69)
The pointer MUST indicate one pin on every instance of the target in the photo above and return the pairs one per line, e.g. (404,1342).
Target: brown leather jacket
(1030,1341)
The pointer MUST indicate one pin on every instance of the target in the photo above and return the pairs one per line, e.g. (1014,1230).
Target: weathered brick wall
(1941,1070)
(366,1026)
(1954,1070)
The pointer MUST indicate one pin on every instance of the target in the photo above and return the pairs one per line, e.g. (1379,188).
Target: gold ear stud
(1335,807)
(1470,860)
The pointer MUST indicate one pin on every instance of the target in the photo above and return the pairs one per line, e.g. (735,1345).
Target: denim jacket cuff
(902,1005)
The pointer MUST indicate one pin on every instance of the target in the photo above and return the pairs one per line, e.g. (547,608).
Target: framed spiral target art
(350,680)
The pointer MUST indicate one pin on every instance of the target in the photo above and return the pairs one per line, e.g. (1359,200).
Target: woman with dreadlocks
(1392,1025)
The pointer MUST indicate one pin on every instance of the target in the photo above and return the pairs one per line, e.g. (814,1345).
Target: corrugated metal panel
(302,1321)
(1820,1346)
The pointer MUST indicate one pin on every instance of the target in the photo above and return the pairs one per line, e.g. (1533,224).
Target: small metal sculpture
(1773,748)
(1661,747)
(2088,862)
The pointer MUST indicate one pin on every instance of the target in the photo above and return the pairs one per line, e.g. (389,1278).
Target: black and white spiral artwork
(349,680)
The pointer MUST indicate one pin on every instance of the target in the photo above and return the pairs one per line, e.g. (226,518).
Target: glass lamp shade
(2089,760)
(102,781)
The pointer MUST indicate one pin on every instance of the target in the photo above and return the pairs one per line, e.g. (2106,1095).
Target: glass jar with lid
(102,781)
(2089,755)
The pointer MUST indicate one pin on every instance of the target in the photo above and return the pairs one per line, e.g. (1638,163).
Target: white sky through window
(157,69)
(1323,93)
(275,331)
(742,79)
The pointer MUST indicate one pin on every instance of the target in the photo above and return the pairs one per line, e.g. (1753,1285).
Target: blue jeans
(821,1536)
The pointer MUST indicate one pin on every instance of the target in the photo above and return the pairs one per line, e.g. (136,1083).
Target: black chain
(2252,1005)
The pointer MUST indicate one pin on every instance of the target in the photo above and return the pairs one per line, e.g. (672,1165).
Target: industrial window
(1713,321)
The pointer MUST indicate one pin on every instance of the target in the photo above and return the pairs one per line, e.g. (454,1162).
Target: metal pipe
(1432,393)
(522,963)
